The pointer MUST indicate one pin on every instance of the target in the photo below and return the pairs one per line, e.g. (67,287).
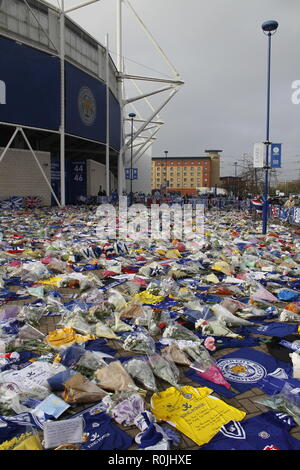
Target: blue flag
(276,156)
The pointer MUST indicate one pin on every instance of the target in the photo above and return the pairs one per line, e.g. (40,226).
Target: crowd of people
(250,203)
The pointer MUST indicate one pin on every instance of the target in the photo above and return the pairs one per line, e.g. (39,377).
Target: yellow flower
(9,445)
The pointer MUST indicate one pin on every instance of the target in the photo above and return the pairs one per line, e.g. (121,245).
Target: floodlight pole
(132,116)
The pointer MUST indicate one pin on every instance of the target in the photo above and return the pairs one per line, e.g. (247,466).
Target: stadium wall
(21,176)
(96,178)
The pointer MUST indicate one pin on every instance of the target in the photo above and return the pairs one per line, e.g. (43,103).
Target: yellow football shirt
(193,412)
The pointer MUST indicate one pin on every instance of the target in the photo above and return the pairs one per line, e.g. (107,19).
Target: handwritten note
(67,431)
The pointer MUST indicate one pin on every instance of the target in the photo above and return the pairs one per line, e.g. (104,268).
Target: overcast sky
(219,50)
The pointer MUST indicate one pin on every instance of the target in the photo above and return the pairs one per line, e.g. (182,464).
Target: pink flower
(209,343)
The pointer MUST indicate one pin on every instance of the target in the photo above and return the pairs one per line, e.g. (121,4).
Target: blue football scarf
(12,424)
(268,431)
(150,437)
(222,342)
(273,329)
(209,298)
(273,385)
(242,369)
(20,362)
(10,430)
(71,355)
(99,345)
(164,304)
(12,327)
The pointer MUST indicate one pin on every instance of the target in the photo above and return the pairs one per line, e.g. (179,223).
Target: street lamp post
(132,116)
(166,154)
(269,28)
(235,178)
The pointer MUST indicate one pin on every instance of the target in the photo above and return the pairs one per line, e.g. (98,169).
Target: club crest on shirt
(241,370)
(264,435)
(188,395)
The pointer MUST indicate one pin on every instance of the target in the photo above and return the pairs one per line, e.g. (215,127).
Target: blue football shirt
(242,369)
(268,431)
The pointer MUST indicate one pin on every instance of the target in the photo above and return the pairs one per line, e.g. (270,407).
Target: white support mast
(62,105)
(107,169)
(120,70)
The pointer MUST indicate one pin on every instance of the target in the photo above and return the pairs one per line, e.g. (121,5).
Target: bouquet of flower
(281,403)
(168,286)
(197,352)
(139,341)
(179,332)
(208,370)
(124,407)
(25,441)
(33,345)
(216,328)
(32,314)
(164,369)
(140,370)
(100,311)
(116,299)
(120,325)
(79,324)
(114,377)
(175,354)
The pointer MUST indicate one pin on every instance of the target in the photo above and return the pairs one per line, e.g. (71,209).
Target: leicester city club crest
(241,370)
(87,106)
